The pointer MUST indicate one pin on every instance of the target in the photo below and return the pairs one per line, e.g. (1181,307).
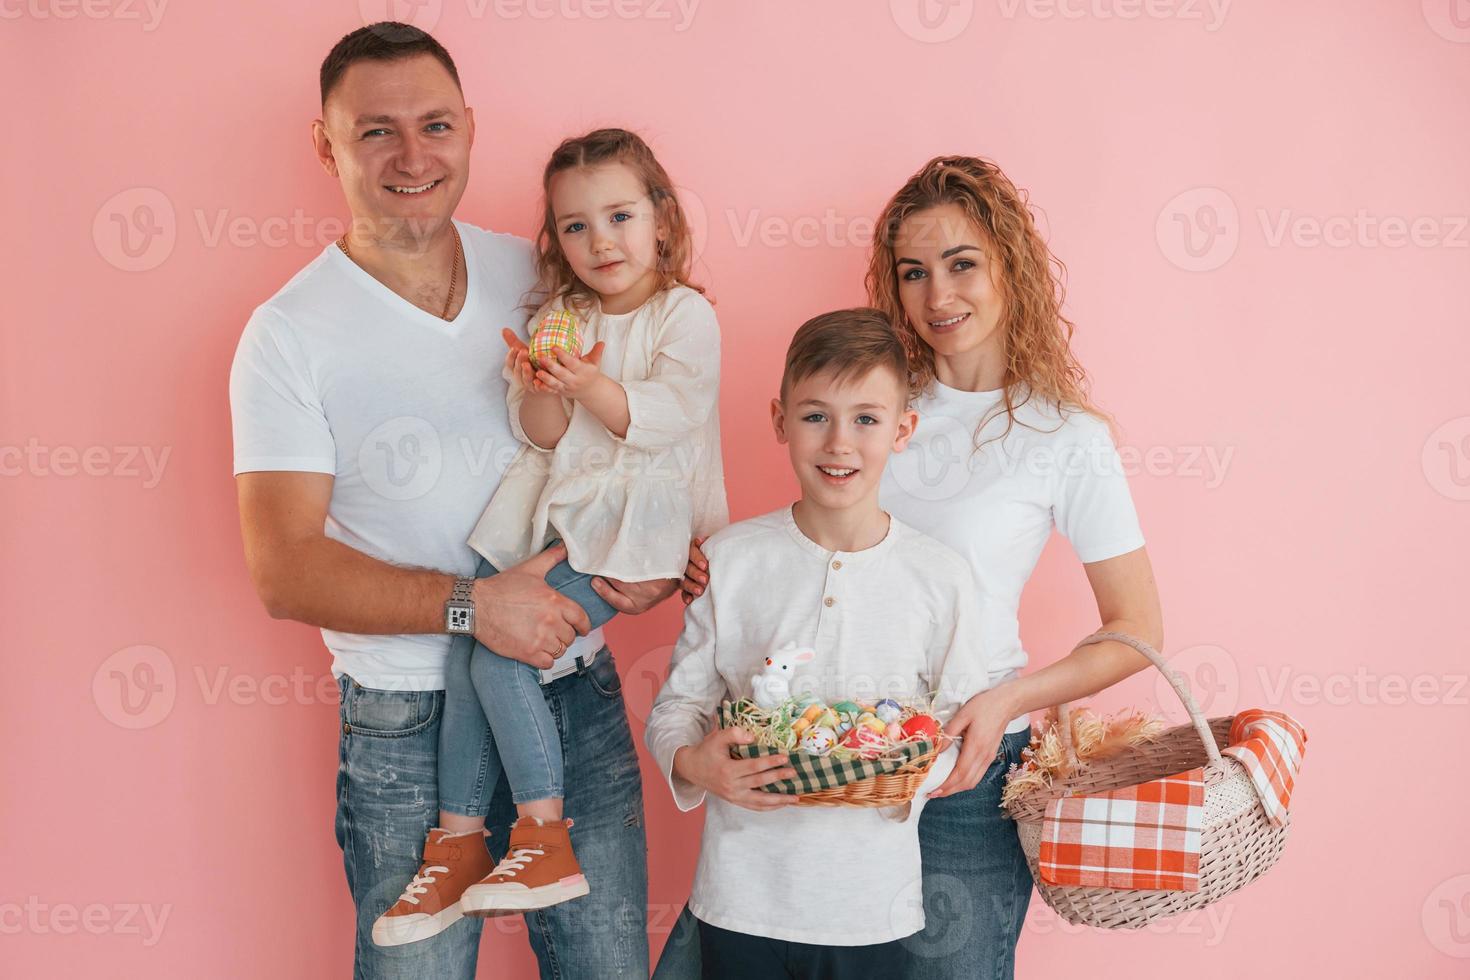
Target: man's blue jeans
(977,886)
(387,800)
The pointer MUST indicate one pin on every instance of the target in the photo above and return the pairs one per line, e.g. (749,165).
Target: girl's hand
(518,359)
(696,573)
(709,766)
(982,721)
(571,376)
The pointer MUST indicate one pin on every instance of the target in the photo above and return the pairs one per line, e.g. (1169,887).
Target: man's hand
(634,598)
(520,617)
(708,765)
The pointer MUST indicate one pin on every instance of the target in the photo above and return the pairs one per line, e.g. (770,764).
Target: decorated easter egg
(921,726)
(871,721)
(868,743)
(558,330)
(847,708)
(813,712)
(844,726)
(799,726)
(818,740)
(894,731)
(827,719)
(889,710)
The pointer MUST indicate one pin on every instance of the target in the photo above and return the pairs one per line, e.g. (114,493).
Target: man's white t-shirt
(338,374)
(997,506)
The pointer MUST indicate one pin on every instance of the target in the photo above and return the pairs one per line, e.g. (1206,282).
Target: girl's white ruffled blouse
(626,508)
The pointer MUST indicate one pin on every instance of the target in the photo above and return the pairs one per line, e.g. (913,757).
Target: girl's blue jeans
(496,718)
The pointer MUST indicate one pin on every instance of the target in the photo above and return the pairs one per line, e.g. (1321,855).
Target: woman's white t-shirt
(997,506)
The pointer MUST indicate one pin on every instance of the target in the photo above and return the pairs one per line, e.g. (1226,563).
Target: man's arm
(302,574)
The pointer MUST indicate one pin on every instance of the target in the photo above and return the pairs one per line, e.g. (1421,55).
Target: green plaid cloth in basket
(816,772)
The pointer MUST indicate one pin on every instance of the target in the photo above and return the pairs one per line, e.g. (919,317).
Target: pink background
(1310,567)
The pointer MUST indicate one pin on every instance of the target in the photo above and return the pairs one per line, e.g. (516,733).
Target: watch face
(457,618)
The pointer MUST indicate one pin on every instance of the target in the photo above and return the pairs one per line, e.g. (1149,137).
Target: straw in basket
(891,779)
(1239,843)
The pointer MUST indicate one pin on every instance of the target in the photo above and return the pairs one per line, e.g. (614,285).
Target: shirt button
(836,565)
(829,601)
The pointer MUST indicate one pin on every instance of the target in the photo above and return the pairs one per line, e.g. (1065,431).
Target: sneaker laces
(421,883)
(516,860)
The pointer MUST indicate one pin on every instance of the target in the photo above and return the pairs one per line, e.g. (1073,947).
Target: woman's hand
(982,722)
(696,573)
(571,376)
(709,766)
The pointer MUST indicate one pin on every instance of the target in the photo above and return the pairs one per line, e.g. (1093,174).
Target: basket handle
(1201,725)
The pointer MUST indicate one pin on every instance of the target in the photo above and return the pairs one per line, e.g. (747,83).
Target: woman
(1008,446)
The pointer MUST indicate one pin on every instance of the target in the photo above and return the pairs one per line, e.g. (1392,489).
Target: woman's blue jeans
(496,718)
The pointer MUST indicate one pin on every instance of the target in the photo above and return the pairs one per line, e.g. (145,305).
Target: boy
(816,891)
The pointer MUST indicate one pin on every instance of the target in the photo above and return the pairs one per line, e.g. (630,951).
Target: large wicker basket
(1238,845)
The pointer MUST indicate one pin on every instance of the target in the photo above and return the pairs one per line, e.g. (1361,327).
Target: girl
(1008,447)
(620,460)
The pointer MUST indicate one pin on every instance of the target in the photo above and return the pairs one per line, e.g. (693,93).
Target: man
(370,431)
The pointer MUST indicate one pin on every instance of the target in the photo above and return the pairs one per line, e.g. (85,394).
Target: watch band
(459,609)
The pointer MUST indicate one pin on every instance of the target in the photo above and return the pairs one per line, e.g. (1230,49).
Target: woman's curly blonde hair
(675,251)
(1037,337)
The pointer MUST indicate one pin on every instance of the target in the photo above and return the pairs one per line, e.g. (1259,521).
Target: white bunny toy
(773,684)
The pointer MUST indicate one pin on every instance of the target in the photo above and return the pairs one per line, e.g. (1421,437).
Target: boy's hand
(708,765)
(571,376)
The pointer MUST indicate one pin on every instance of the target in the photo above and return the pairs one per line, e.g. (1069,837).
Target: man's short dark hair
(387,40)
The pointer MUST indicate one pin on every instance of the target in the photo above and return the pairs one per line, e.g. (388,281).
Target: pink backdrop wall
(1264,210)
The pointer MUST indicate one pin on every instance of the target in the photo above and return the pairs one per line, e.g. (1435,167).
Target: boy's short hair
(849,343)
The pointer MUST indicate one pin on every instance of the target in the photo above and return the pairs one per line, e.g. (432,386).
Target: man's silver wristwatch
(459,611)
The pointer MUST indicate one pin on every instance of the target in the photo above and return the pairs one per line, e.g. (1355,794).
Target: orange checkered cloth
(1270,745)
(1144,836)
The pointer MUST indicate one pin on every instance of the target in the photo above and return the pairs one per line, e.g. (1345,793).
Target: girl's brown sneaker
(539,870)
(431,902)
